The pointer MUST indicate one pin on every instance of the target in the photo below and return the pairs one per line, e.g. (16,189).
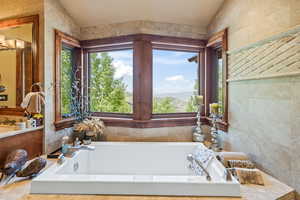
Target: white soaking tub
(134,168)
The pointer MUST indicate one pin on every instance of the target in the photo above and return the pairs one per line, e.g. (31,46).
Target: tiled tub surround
(166,134)
(263,114)
(139,168)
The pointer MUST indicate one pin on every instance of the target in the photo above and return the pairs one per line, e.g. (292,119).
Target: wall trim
(264,77)
(289,32)
(277,56)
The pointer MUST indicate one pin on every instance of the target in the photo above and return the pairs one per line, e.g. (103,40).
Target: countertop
(272,190)
(17,132)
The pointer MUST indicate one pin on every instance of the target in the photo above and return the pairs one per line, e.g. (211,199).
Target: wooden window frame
(200,76)
(218,40)
(62,39)
(143,45)
(87,68)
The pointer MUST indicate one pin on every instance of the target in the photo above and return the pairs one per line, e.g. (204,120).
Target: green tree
(107,94)
(191,105)
(163,105)
(66,82)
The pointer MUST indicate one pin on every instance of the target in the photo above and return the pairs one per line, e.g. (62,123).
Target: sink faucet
(190,157)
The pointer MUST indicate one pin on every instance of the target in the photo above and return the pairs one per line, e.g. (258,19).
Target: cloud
(122,69)
(175,78)
(168,60)
(123,54)
(173,87)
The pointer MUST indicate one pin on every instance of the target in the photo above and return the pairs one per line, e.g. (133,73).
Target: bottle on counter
(65,144)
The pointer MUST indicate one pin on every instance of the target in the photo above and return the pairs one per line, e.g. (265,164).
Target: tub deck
(272,190)
(136,168)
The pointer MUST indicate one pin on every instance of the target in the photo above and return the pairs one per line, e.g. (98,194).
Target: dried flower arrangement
(86,127)
(92,127)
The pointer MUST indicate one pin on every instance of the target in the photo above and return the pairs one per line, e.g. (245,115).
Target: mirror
(18,60)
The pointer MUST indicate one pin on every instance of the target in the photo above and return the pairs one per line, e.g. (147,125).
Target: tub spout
(72,149)
(82,147)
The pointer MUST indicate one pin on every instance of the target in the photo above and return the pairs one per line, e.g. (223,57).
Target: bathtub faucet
(190,157)
(81,147)
(70,151)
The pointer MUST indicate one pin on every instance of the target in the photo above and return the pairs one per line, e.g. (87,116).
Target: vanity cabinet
(31,141)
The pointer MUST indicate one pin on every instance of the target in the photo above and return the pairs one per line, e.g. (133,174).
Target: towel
(240,164)
(225,156)
(247,176)
(33,102)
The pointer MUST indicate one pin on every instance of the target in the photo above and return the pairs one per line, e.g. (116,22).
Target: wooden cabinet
(31,141)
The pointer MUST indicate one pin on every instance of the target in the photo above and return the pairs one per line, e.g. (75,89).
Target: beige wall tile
(55,18)
(253,20)
(174,134)
(263,114)
(149,27)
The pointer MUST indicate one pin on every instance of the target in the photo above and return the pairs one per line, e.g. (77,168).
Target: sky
(172,73)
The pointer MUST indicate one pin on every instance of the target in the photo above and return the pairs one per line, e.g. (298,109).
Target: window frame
(143,44)
(181,49)
(218,41)
(63,39)
(88,70)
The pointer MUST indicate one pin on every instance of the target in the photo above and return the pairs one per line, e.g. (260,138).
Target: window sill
(65,123)
(153,123)
(131,123)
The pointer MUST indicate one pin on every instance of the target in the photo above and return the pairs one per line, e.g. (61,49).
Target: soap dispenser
(65,144)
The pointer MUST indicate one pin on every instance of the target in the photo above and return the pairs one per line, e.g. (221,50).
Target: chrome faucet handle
(61,159)
(190,157)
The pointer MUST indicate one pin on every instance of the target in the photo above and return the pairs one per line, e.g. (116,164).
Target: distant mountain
(183,96)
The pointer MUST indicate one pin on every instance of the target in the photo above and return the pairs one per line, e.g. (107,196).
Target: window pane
(175,81)
(111,81)
(218,80)
(66,82)
(220,85)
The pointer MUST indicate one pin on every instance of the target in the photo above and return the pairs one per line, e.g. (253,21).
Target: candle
(214,108)
(199,100)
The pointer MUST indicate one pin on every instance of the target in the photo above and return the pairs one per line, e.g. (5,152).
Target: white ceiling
(95,12)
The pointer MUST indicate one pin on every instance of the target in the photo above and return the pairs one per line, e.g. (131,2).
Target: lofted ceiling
(96,12)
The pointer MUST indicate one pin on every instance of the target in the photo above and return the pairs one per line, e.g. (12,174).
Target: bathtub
(128,168)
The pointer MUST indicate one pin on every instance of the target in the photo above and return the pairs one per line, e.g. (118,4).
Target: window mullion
(142,80)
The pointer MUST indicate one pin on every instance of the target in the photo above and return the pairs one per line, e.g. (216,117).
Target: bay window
(150,81)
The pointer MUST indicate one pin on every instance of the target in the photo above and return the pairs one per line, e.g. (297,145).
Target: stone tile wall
(55,18)
(263,114)
(149,27)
